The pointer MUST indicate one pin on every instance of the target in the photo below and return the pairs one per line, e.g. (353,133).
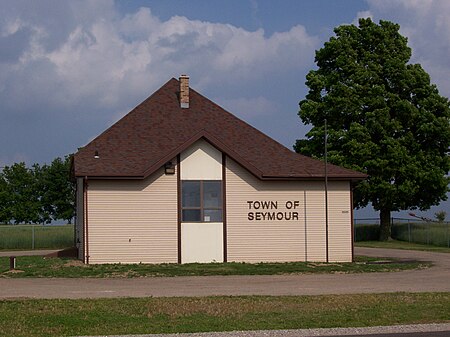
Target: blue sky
(69,69)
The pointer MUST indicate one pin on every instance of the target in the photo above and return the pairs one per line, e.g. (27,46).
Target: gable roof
(158,129)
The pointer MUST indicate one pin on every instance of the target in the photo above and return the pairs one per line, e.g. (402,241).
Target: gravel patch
(308,332)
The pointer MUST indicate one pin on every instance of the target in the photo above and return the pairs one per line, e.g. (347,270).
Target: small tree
(384,118)
(22,196)
(4,201)
(440,216)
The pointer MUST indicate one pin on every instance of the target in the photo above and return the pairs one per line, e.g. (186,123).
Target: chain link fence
(29,237)
(409,230)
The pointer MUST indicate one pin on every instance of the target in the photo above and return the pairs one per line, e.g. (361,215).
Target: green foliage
(37,194)
(21,193)
(384,118)
(440,216)
(163,315)
(58,191)
(367,232)
(38,266)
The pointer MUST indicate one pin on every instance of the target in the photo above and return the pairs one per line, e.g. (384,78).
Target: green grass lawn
(395,244)
(37,266)
(67,317)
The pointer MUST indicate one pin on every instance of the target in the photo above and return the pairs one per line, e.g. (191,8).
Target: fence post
(448,238)
(409,231)
(392,225)
(428,232)
(32,237)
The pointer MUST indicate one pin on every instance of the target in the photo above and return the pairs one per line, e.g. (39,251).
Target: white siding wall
(201,161)
(132,221)
(340,229)
(315,220)
(201,242)
(80,218)
(268,240)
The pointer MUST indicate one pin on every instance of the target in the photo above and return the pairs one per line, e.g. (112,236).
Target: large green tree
(384,118)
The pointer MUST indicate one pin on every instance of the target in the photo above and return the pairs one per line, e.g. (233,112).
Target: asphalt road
(434,279)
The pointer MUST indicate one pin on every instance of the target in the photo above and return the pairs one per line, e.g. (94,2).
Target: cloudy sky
(69,69)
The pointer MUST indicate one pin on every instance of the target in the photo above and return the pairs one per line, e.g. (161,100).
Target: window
(201,201)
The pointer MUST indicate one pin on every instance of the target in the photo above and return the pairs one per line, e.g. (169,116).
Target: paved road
(434,279)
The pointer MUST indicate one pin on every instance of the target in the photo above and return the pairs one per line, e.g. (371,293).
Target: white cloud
(106,58)
(73,68)
(360,15)
(426,24)
(249,108)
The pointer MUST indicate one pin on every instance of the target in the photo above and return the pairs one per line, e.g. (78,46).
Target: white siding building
(181,180)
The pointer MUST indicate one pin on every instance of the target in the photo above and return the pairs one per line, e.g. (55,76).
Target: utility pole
(326,188)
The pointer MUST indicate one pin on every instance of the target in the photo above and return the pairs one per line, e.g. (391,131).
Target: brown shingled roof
(158,129)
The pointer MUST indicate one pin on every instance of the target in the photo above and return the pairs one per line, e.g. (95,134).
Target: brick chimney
(184,91)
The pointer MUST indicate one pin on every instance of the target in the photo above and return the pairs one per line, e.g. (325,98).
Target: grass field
(37,266)
(20,237)
(430,233)
(34,318)
(395,244)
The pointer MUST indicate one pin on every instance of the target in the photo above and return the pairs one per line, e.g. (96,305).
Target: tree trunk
(385,224)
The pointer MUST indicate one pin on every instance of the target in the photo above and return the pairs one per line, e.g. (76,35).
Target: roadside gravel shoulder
(311,332)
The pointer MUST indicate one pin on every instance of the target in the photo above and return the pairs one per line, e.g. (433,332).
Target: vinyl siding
(80,218)
(268,240)
(201,161)
(264,240)
(315,225)
(340,229)
(133,221)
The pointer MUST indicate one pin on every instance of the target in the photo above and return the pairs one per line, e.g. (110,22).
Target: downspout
(86,245)
(75,222)
(306,226)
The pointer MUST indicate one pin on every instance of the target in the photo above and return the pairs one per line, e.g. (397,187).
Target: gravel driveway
(434,279)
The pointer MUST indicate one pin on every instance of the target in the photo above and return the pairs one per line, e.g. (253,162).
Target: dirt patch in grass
(74,263)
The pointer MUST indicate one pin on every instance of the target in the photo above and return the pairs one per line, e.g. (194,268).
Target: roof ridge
(158,129)
(248,124)
(132,111)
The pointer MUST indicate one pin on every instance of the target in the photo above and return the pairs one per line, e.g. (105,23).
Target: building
(179,180)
